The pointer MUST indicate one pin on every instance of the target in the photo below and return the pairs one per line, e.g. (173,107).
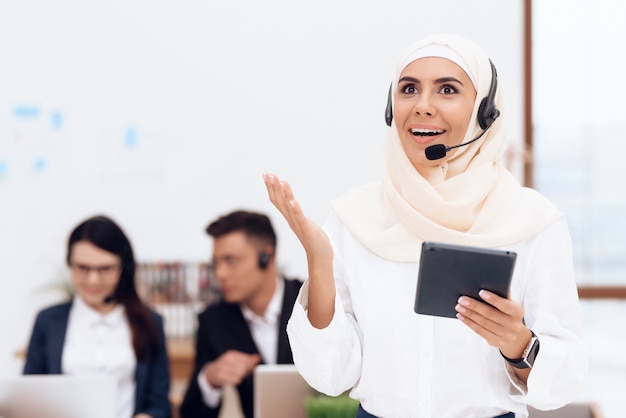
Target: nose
(424,105)
(93,276)
(219,271)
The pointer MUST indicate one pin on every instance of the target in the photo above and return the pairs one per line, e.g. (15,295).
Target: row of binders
(178,291)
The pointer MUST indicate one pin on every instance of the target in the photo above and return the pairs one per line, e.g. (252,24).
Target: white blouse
(97,344)
(399,364)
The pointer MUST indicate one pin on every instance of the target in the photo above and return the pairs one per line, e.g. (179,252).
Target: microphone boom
(437,151)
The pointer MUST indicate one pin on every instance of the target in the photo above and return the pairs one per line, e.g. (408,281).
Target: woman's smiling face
(433,105)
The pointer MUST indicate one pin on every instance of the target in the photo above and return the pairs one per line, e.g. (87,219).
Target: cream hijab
(468,199)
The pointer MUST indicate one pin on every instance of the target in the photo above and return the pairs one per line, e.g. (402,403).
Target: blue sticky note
(56,120)
(131,138)
(40,164)
(26,112)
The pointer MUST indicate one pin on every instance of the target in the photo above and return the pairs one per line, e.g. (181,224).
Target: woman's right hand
(321,301)
(311,236)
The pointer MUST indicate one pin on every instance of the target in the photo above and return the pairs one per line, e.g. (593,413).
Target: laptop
(58,396)
(280,392)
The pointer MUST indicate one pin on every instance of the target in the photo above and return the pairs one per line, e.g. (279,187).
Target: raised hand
(319,252)
(311,236)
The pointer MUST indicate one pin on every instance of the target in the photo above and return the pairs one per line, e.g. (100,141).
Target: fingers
(278,190)
(282,197)
(280,194)
(502,304)
(231,367)
(310,235)
(253,360)
(478,316)
(497,319)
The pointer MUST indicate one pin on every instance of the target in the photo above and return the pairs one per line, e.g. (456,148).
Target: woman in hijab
(354,328)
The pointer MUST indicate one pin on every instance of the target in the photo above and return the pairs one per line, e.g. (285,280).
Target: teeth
(426,132)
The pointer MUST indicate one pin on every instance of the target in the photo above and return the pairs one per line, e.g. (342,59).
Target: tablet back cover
(448,271)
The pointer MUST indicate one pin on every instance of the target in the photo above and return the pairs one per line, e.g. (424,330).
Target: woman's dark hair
(107,235)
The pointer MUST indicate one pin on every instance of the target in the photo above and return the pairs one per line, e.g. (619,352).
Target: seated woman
(105,329)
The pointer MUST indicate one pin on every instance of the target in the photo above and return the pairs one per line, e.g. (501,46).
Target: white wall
(164,114)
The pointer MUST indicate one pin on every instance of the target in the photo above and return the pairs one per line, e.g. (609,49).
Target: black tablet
(448,271)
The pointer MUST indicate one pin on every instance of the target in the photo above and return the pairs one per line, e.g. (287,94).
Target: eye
(447,89)
(409,89)
(82,269)
(106,269)
(231,261)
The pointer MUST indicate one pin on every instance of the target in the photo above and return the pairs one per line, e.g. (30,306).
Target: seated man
(248,325)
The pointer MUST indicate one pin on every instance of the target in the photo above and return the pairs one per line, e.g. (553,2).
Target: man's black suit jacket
(222,327)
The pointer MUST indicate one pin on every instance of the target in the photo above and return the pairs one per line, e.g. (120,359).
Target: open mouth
(426,132)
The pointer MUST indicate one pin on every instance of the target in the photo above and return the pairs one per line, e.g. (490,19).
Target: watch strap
(529,355)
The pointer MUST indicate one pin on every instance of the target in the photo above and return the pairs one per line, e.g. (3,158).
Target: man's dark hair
(255,225)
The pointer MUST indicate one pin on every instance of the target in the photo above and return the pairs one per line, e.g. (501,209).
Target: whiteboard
(163,115)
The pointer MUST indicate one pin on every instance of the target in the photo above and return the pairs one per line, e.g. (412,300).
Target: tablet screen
(448,271)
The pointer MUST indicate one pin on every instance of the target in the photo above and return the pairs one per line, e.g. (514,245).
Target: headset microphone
(437,151)
(109,299)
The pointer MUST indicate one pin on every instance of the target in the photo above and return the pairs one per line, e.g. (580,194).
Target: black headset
(264,260)
(487,111)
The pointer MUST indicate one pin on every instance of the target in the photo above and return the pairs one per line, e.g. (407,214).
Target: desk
(181,353)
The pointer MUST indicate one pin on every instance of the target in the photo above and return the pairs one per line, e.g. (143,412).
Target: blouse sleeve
(552,311)
(330,358)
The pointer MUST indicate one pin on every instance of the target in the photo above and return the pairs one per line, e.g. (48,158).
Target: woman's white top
(97,344)
(400,364)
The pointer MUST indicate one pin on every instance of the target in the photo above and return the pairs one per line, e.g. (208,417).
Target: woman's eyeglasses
(106,271)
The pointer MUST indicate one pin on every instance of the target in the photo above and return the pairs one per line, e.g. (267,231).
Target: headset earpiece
(264,260)
(487,111)
(388,109)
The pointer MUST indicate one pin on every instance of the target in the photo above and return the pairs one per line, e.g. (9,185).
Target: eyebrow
(437,81)
(97,266)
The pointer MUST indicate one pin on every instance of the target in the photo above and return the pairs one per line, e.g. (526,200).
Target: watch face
(532,352)
(529,356)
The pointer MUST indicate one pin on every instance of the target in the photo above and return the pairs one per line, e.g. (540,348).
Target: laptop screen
(58,396)
(280,392)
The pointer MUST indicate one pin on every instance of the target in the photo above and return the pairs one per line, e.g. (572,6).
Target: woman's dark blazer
(151,376)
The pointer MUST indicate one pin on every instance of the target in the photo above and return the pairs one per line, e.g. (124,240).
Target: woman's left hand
(142,415)
(498,320)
